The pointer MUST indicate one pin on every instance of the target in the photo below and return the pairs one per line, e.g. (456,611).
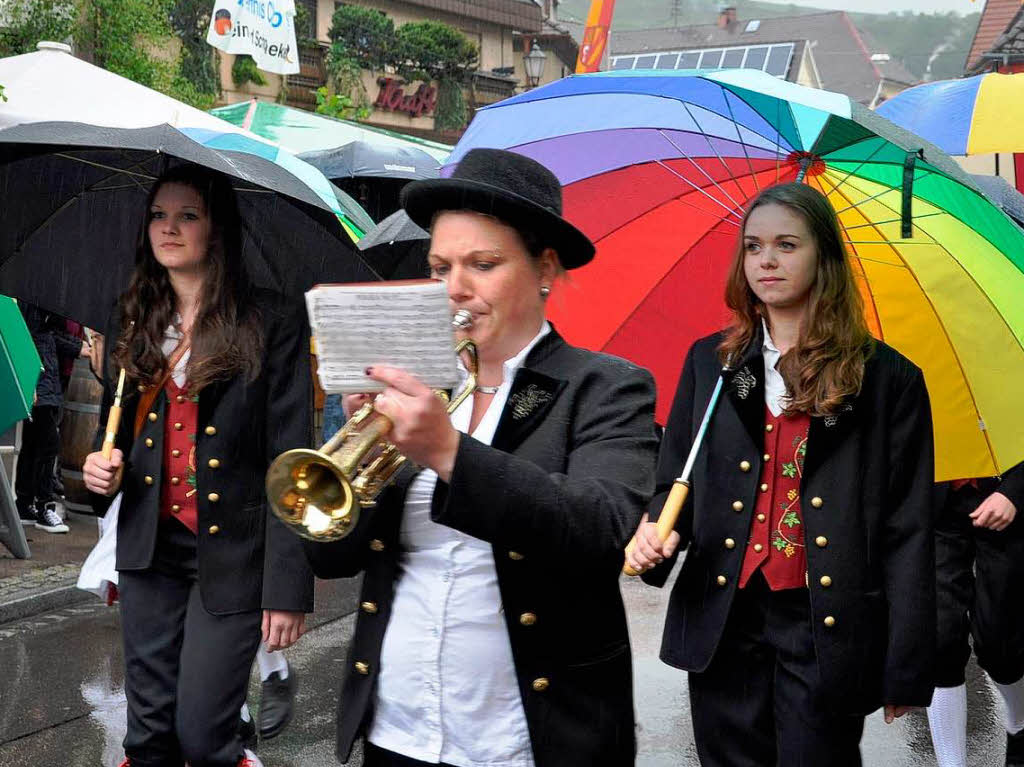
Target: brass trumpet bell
(319,494)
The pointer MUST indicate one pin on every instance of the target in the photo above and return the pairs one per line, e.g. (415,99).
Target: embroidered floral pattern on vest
(788,534)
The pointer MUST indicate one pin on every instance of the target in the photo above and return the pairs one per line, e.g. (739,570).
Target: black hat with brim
(512,188)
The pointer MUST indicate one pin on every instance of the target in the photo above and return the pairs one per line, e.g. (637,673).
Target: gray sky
(884,6)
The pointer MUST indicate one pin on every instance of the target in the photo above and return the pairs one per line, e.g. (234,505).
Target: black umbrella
(366,159)
(397,248)
(73,195)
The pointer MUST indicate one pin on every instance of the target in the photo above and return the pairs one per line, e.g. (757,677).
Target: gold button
(821,541)
(148,480)
(540,684)
(769,427)
(213,497)
(515,555)
(362,668)
(760,517)
(826,581)
(764,487)
(767,457)
(369,607)
(175,508)
(722,580)
(816,502)
(214,529)
(730,543)
(210,431)
(178,426)
(829,621)
(152,416)
(758,548)
(149,442)
(213,463)
(179,399)
(176,453)
(527,619)
(141,387)
(175,481)
(737,505)
(744,465)
(377,545)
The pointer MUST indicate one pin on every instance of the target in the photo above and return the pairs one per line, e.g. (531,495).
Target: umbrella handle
(113,422)
(666,520)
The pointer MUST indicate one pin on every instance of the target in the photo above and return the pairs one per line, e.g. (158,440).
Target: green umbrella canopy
(19,365)
(300,131)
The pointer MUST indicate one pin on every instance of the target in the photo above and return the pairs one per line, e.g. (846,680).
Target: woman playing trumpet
(491,631)
(807,596)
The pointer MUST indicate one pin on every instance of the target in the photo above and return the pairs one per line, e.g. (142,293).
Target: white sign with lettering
(263,29)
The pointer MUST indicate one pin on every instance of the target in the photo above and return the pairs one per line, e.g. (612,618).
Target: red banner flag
(595,36)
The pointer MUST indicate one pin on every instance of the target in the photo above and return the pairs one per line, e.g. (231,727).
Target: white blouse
(447,689)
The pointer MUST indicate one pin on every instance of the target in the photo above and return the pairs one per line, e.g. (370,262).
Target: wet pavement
(61,698)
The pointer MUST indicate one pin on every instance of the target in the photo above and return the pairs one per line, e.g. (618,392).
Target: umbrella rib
(888,189)
(731,211)
(100,165)
(739,138)
(711,146)
(892,220)
(945,332)
(862,163)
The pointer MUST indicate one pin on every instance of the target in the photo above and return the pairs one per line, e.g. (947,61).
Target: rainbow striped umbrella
(657,168)
(964,117)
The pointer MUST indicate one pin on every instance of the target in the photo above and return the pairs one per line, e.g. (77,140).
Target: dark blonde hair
(826,366)
(226,335)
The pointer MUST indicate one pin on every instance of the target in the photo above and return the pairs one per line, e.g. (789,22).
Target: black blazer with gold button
(558,494)
(247,559)
(867,491)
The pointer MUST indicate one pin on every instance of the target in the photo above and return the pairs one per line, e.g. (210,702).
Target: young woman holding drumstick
(807,595)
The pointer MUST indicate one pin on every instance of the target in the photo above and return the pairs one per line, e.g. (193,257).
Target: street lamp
(534,64)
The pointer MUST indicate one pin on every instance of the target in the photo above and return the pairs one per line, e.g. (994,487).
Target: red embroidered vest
(776,545)
(178,488)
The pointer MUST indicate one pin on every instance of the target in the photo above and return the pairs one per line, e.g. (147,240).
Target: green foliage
(362,35)
(244,70)
(190,19)
(305,28)
(432,50)
(119,35)
(338,105)
(2,96)
(451,112)
(26,22)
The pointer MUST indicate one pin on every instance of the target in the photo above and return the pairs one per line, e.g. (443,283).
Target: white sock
(947,719)
(270,662)
(244,713)
(1013,700)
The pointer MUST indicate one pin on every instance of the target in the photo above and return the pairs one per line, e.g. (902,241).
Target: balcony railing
(312,75)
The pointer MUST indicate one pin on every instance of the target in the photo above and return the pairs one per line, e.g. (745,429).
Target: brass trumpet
(319,494)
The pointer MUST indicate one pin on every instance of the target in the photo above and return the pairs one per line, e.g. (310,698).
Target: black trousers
(374,756)
(186,672)
(756,704)
(40,443)
(980,591)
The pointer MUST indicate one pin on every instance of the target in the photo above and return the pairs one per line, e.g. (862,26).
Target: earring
(545,291)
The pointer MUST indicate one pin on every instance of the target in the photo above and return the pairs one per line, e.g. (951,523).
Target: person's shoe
(276,703)
(28,514)
(49,520)
(1015,749)
(247,732)
(250,760)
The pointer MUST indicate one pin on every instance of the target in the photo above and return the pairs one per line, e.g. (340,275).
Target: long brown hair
(826,366)
(226,334)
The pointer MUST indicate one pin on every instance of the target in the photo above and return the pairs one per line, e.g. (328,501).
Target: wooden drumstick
(681,487)
(113,419)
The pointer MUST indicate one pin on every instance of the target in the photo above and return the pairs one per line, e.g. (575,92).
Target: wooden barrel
(78,426)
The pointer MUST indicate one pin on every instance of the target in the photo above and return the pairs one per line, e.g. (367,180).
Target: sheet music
(406,324)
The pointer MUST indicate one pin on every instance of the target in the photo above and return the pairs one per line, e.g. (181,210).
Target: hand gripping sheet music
(405,324)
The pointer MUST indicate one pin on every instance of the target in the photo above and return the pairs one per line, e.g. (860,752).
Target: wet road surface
(62,701)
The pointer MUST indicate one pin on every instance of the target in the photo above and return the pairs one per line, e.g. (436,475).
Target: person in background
(807,596)
(35,485)
(979,547)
